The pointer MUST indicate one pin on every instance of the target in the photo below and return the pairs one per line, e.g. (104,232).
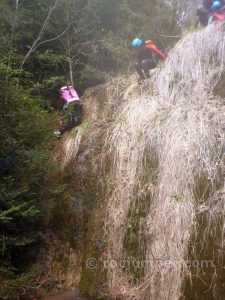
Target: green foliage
(25,167)
(190,29)
(25,172)
(176,198)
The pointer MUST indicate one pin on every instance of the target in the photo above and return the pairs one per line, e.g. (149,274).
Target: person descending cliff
(218,12)
(207,9)
(72,115)
(148,57)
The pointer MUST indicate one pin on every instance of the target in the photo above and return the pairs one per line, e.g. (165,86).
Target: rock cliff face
(80,157)
(146,168)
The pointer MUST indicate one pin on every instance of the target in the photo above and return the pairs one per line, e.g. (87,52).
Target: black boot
(139,71)
(141,80)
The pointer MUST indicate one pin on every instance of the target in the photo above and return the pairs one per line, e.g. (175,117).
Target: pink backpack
(68,94)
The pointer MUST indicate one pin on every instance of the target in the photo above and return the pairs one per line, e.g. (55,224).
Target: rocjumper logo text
(128,264)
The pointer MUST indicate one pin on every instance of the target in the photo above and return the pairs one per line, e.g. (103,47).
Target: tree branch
(42,31)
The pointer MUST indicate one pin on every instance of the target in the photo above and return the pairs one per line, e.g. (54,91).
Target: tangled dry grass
(167,149)
(70,147)
(194,67)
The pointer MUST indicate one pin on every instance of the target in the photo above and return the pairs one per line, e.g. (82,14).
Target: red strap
(156,50)
(219,17)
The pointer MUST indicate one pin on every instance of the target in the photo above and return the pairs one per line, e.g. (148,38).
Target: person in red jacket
(148,57)
(206,11)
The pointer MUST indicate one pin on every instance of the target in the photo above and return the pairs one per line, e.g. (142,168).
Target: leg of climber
(147,65)
(65,106)
(139,70)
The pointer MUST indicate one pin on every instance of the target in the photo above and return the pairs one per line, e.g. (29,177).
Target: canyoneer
(207,10)
(148,57)
(218,12)
(72,113)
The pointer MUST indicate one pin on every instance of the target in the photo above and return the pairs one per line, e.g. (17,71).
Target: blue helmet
(137,42)
(216,5)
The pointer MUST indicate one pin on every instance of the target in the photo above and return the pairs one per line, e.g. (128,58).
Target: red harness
(220,15)
(154,49)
